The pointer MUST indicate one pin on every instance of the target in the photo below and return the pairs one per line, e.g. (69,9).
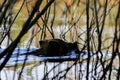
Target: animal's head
(72,46)
(43,43)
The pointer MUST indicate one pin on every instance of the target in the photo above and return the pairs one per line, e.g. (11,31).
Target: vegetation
(93,23)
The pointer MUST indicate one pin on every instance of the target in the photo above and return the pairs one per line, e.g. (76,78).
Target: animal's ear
(75,43)
(41,42)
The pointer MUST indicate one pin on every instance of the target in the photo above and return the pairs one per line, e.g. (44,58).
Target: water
(19,56)
(39,66)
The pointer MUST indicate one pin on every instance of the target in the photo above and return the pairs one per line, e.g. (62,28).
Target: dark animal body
(55,47)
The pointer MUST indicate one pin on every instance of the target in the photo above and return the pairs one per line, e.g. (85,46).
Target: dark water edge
(19,57)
